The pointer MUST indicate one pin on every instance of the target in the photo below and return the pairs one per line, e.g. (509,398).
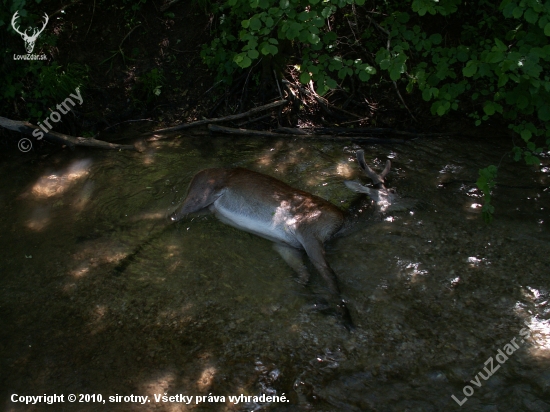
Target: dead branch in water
(29,128)
(288,132)
(221,119)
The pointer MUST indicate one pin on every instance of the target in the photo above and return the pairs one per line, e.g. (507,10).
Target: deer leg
(293,258)
(316,253)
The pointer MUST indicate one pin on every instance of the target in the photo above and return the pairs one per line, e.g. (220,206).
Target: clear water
(203,308)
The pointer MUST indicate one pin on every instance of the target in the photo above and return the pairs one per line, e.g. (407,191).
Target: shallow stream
(203,309)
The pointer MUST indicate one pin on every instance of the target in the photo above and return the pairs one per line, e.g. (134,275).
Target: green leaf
(331,83)
(293,31)
(470,69)
(531,16)
(364,76)
(489,108)
(253,54)
(547,29)
(284,4)
(255,23)
(526,135)
(327,11)
(517,13)
(500,45)
(305,78)
(403,18)
(427,94)
(495,57)
(502,80)
(313,38)
(436,38)
(322,89)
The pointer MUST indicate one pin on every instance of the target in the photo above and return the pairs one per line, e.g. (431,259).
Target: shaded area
(206,308)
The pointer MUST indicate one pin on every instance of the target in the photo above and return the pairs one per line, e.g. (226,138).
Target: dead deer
(295,220)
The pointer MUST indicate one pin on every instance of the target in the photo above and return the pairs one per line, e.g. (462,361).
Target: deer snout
(174,217)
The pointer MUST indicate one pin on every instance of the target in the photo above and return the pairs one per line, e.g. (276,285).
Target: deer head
(29,40)
(382,196)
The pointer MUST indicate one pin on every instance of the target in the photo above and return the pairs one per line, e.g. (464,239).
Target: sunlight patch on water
(344,169)
(476,262)
(207,377)
(161,385)
(83,198)
(540,332)
(97,316)
(59,182)
(80,272)
(40,218)
(540,328)
(411,270)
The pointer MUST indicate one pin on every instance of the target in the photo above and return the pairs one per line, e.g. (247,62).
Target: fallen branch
(371,130)
(259,133)
(222,119)
(28,128)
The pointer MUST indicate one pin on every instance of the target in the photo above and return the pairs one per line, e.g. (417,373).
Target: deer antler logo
(29,40)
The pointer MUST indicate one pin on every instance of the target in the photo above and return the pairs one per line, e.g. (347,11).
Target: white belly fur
(267,229)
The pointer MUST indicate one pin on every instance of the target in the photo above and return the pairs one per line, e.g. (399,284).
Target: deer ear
(356,187)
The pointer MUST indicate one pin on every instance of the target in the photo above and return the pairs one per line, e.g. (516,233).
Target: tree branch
(29,128)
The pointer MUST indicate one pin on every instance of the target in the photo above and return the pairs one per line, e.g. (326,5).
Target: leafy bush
(482,59)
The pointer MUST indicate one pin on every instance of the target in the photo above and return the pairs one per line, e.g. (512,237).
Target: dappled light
(81,271)
(539,328)
(206,379)
(57,183)
(97,319)
(345,169)
(411,271)
(84,196)
(39,219)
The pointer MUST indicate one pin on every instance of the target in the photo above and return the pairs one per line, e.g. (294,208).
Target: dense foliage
(480,58)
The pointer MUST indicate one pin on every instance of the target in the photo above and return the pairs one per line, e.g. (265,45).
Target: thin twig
(256,119)
(91,20)
(278,85)
(221,119)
